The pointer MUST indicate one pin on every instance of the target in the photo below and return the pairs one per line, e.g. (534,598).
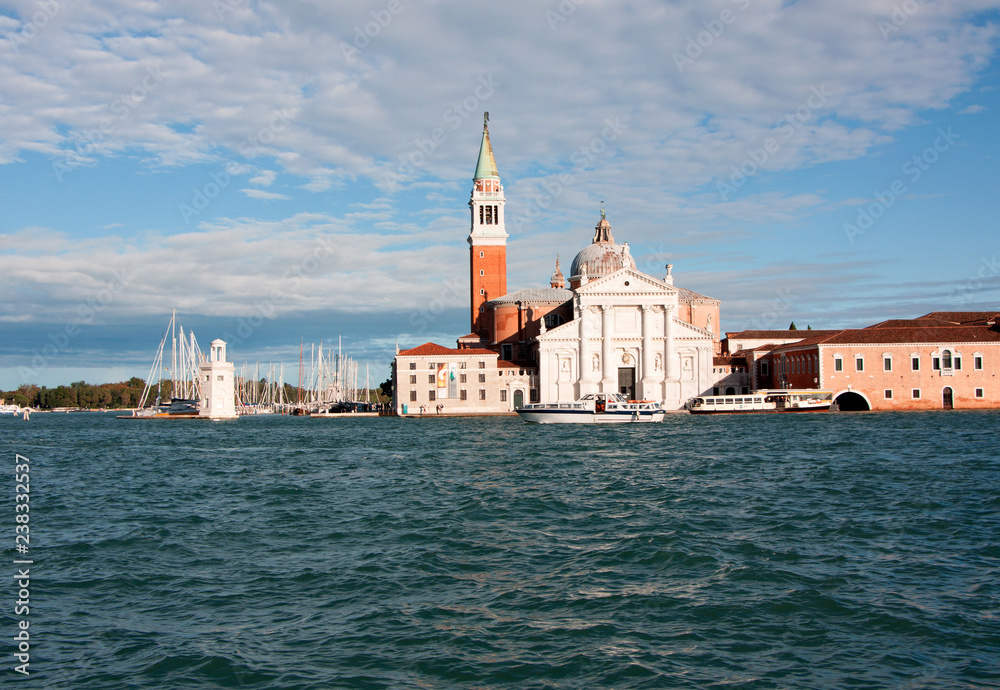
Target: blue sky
(291,171)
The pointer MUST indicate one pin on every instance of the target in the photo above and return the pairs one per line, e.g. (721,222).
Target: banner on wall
(442,381)
(453,380)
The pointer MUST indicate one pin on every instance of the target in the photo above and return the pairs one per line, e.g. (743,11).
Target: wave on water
(838,550)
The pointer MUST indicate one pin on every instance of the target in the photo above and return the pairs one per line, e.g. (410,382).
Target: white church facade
(609,328)
(626,337)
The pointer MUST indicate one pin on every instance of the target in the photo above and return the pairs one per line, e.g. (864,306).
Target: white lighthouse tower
(218,387)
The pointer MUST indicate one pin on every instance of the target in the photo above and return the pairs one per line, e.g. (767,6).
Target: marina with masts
(182,382)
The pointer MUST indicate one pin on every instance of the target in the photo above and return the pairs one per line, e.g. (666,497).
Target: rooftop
(929,335)
(428,349)
(548,295)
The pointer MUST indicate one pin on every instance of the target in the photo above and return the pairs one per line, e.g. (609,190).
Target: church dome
(603,256)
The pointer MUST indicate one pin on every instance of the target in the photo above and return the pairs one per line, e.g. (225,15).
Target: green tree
(386,388)
(792,327)
(63,396)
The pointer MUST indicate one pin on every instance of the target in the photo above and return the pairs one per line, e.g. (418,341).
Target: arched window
(946,359)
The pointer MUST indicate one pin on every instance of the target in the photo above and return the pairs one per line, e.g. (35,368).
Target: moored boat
(594,408)
(777,400)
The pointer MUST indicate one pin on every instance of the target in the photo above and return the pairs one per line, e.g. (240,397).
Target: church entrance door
(626,381)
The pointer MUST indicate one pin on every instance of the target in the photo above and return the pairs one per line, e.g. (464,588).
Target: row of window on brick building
(916,393)
(433,365)
(432,378)
(946,361)
(464,394)
(461,365)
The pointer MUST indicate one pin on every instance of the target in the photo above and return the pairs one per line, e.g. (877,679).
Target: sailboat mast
(299,401)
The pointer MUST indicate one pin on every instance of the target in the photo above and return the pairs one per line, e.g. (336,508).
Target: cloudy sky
(280,172)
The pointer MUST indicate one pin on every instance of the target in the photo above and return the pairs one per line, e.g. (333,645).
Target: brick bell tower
(487,238)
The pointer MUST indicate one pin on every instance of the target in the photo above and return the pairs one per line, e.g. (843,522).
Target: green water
(771,551)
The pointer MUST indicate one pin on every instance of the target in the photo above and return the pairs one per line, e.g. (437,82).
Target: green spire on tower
(487,165)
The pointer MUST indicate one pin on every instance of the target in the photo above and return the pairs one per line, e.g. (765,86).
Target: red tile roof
(928,335)
(776,335)
(504,364)
(734,360)
(921,322)
(964,317)
(435,349)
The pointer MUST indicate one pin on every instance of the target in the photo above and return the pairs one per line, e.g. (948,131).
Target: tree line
(123,395)
(109,396)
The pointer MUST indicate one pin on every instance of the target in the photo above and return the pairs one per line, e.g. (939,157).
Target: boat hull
(590,417)
(825,408)
(763,401)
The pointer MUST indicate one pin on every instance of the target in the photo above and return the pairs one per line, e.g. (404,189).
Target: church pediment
(626,281)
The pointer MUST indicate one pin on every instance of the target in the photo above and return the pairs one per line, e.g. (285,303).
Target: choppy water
(840,550)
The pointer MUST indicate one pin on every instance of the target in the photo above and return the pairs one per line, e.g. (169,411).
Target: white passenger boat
(595,408)
(778,400)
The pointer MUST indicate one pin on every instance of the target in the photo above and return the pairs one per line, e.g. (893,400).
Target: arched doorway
(730,390)
(518,400)
(851,401)
(948,398)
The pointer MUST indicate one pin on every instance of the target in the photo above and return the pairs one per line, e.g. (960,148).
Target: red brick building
(942,360)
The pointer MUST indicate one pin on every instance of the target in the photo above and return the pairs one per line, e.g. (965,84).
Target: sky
(299,171)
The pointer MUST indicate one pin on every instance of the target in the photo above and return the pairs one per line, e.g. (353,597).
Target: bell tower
(487,237)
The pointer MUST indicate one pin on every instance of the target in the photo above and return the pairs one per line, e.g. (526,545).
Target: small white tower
(218,387)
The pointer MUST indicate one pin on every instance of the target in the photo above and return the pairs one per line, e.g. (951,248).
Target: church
(609,327)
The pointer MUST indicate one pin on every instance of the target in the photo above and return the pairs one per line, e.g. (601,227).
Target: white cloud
(311,260)
(185,85)
(265,196)
(264,178)
(972,110)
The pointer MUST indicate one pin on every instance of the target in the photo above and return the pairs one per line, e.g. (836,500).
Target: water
(763,551)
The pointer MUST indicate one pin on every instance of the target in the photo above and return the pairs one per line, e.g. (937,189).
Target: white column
(648,375)
(586,375)
(610,379)
(669,356)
